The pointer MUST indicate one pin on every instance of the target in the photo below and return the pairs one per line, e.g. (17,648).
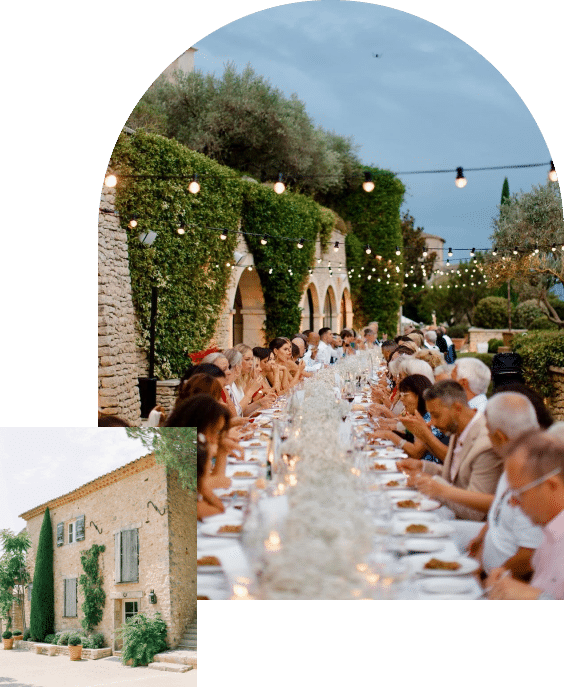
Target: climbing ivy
(91,583)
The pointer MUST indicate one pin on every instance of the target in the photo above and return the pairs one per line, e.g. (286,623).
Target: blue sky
(430,101)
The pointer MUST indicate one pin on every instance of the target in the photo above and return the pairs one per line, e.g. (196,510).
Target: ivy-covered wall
(375,221)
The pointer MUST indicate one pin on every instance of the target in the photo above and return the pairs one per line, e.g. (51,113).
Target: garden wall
(476,336)
(556,401)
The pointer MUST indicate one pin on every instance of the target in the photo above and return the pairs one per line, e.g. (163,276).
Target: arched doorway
(310,308)
(238,318)
(330,309)
(248,310)
(346,314)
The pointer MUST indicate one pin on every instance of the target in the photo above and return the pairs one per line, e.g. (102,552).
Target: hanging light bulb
(425,253)
(494,251)
(515,251)
(270,271)
(536,248)
(301,243)
(370,277)
(368,184)
(553,247)
(181,230)
(472,252)
(223,234)
(450,252)
(110,181)
(133,222)
(448,262)
(460,180)
(279,186)
(398,251)
(552,176)
(250,268)
(194,186)
(336,246)
(318,260)
(227,264)
(263,241)
(367,249)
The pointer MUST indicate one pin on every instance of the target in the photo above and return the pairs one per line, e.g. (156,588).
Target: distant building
(435,244)
(147,523)
(183,63)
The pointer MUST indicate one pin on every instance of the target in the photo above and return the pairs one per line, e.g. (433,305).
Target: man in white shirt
(431,340)
(474,376)
(301,342)
(324,349)
(509,538)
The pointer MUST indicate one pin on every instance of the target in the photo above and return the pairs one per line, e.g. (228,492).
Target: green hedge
(539,351)
(491,313)
(486,358)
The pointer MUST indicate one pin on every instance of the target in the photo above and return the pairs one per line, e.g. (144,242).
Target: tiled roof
(132,468)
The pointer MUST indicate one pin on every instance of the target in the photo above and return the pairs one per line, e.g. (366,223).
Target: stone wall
(166,393)
(556,401)
(120,362)
(476,336)
(117,501)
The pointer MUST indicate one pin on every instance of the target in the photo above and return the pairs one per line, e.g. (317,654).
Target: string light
(552,176)
(460,180)
(279,186)
(223,234)
(368,184)
(133,222)
(450,252)
(472,252)
(367,249)
(181,230)
(494,251)
(398,252)
(263,241)
(194,186)
(336,246)
(301,243)
(110,181)
(515,251)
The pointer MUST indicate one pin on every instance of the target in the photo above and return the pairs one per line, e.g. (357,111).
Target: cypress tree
(42,616)
(505,192)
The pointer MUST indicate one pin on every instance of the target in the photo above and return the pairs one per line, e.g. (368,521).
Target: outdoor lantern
(368,184)
(460,180)
(194,186)
(110,180)
(152,597)
(279,186)
(552,176)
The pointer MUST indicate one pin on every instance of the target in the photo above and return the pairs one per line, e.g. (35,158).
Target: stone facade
(120,362)
(476,336)
(127,499)
(556,401)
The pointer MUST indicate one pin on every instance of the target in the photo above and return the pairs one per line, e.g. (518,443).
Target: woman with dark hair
(269,371)
(348,339)
(291,373)
(199,383)
(411,393)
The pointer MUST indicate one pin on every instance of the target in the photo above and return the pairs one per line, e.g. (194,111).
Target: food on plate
(436,564)
(390,448)
(238,492)
(238,507)
(416,529)
(209,560)
(231,529)
(393,483)
(407,503)
(357,406)
(202,598)
(255,443)
(378,466)
(244,473)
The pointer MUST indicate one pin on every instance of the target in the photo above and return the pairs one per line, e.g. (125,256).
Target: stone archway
(346,310)
(248,310)
(330,310)
(310,308)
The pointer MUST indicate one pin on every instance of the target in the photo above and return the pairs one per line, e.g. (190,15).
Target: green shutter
(79,528)
(60,534)
(117,555)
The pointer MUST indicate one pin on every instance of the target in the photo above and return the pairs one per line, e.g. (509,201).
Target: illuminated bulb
(336,246)
(370,277)
(425,253)
(367,250)
(227,264)
(473,252)
(552,176)
(398,252)
(494,251)
(368,184)
(181,230)
(301,243)
(263,241)
(553,247)
(133,222)
(515,251)
(279,186)
(270,271)
(194,186)
(250,268)
(110,180)
(537,248)
(223,234)
(460,180)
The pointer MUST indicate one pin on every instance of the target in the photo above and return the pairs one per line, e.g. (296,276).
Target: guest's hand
(414,423)
(268,399)
(409,466)
(507,588)
(474,547)
(428,486)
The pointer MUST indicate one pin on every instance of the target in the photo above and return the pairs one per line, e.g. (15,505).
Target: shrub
(491,313)
(96,640)
(26,636)
(143,637)
(527,312)
(494,344)
(540,350)
(64,638)
(16,632)
(6,635)
(457,332)
(543,323)
(42,616)
(51,639)
(74,640)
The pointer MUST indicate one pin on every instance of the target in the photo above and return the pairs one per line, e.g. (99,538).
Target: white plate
(231,471)
(390,465)
(436,529)
(447,585)
(398,494)
(413,545)
(212,530)
(209,569)
(467,565)
(424,504)
(254,443)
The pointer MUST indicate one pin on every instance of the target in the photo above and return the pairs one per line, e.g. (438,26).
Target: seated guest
(474,376)
(411,390)
(208,503)
(509,538)
(544,418)
(347,338)
(269,372)
(417,337)
(471,462)
(301,343)
(337,345)
(324,349)
(199,384)
(245,387)
(291,373)
(433,358)
(388,347)
(369,338)
(535,474)
(374,327)
(234,358)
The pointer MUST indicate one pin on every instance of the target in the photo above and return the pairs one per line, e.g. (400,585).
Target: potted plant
(75,648)
(143,637)
(7,639)
(17,634)
(458,336)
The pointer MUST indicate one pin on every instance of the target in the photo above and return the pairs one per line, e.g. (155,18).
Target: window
(70,598)
(71,532)
(127,556)
(130,609)
(60,534)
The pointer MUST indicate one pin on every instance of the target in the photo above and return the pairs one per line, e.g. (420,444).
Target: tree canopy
(12,570)
(174,447)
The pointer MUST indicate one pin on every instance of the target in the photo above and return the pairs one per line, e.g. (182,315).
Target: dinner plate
(390,464)
(415,545)
(397,494)
(436,529)
(467,565)
(207,569)
(254,443)
(212,530)
(232,471)
(224,494)
(424,504)
(416,516)
(447,585)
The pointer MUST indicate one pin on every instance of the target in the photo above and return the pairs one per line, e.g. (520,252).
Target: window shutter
(117,555)
(60,534)
(73,586)
(130,556)
(70,600)
(79,528)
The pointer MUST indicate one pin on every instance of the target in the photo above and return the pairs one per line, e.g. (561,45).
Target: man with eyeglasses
(535,473)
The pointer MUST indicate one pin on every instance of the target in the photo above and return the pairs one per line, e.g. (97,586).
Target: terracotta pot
(75,652)
(8,643)
(458,343)
(17,637)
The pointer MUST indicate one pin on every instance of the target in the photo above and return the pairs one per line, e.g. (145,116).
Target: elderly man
(535,473)
(370,338)
(324,349)
(474,376)
(431,340)
(470,463)
(509,538)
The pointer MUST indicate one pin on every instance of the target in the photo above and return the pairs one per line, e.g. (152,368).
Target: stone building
(147,523)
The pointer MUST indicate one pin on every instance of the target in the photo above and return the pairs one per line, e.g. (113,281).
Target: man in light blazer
(471,464)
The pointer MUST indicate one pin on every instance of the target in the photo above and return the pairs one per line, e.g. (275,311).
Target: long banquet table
(352,550)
